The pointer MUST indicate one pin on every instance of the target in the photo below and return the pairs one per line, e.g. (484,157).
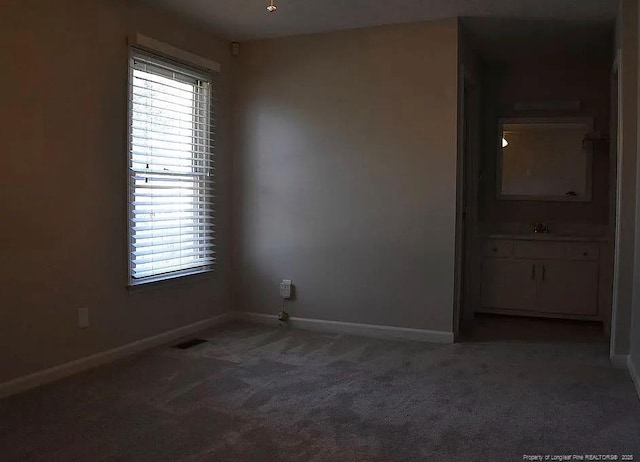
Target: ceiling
(500,38)
(243,20)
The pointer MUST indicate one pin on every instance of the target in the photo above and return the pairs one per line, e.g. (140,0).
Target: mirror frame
(587,197)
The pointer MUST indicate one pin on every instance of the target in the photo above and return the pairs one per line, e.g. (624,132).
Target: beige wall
(346,174)
(627,41)
(62,183)
(635,315)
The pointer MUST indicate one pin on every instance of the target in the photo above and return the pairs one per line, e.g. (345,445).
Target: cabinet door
(568,287)
(509,284)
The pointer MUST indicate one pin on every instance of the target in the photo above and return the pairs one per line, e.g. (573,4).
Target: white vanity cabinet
(509,283)
(568,287)
(540,277)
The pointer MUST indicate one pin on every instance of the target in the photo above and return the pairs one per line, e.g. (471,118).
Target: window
(170,169)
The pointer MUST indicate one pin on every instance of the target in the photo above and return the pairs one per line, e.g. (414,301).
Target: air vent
(189,343)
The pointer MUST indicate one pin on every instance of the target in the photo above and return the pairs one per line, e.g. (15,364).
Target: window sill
(170,280)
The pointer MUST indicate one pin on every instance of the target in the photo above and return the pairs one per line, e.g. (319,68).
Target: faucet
(542,228)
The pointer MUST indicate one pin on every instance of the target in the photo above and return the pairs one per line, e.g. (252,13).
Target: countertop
(547,237)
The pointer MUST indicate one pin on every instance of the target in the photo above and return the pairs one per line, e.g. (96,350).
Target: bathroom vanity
(562,270)
(543,275)
(541,244)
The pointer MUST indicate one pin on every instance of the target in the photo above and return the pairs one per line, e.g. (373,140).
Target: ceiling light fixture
(271,7)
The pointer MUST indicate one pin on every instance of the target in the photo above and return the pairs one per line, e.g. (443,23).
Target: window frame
(198,73)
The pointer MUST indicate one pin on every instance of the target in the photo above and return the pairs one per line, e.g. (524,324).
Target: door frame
(622,238)
(467,178)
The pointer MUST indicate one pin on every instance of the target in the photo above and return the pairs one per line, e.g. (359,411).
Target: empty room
(319,230)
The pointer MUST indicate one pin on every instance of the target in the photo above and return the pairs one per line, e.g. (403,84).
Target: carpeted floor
(255,393)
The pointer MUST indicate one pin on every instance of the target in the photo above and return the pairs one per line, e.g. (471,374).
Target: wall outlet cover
(285,288)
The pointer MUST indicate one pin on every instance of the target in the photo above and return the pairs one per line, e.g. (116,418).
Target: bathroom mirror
(544,159)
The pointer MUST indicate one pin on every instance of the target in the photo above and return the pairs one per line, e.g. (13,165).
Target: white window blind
(171,170)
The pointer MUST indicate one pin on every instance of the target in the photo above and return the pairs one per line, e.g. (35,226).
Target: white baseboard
(620,361)
(366,330)
(635,376)
(36,379)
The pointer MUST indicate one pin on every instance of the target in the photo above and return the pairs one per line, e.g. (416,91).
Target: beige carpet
(269,394)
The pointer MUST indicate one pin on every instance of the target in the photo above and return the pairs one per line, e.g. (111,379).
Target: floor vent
(189,343)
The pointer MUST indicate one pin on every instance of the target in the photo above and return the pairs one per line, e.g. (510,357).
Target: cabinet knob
(585,254)
(495,249)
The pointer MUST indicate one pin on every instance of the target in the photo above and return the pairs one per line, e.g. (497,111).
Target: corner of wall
(634,372)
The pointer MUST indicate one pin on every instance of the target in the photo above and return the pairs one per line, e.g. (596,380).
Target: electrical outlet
(83,318)
(285,288)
